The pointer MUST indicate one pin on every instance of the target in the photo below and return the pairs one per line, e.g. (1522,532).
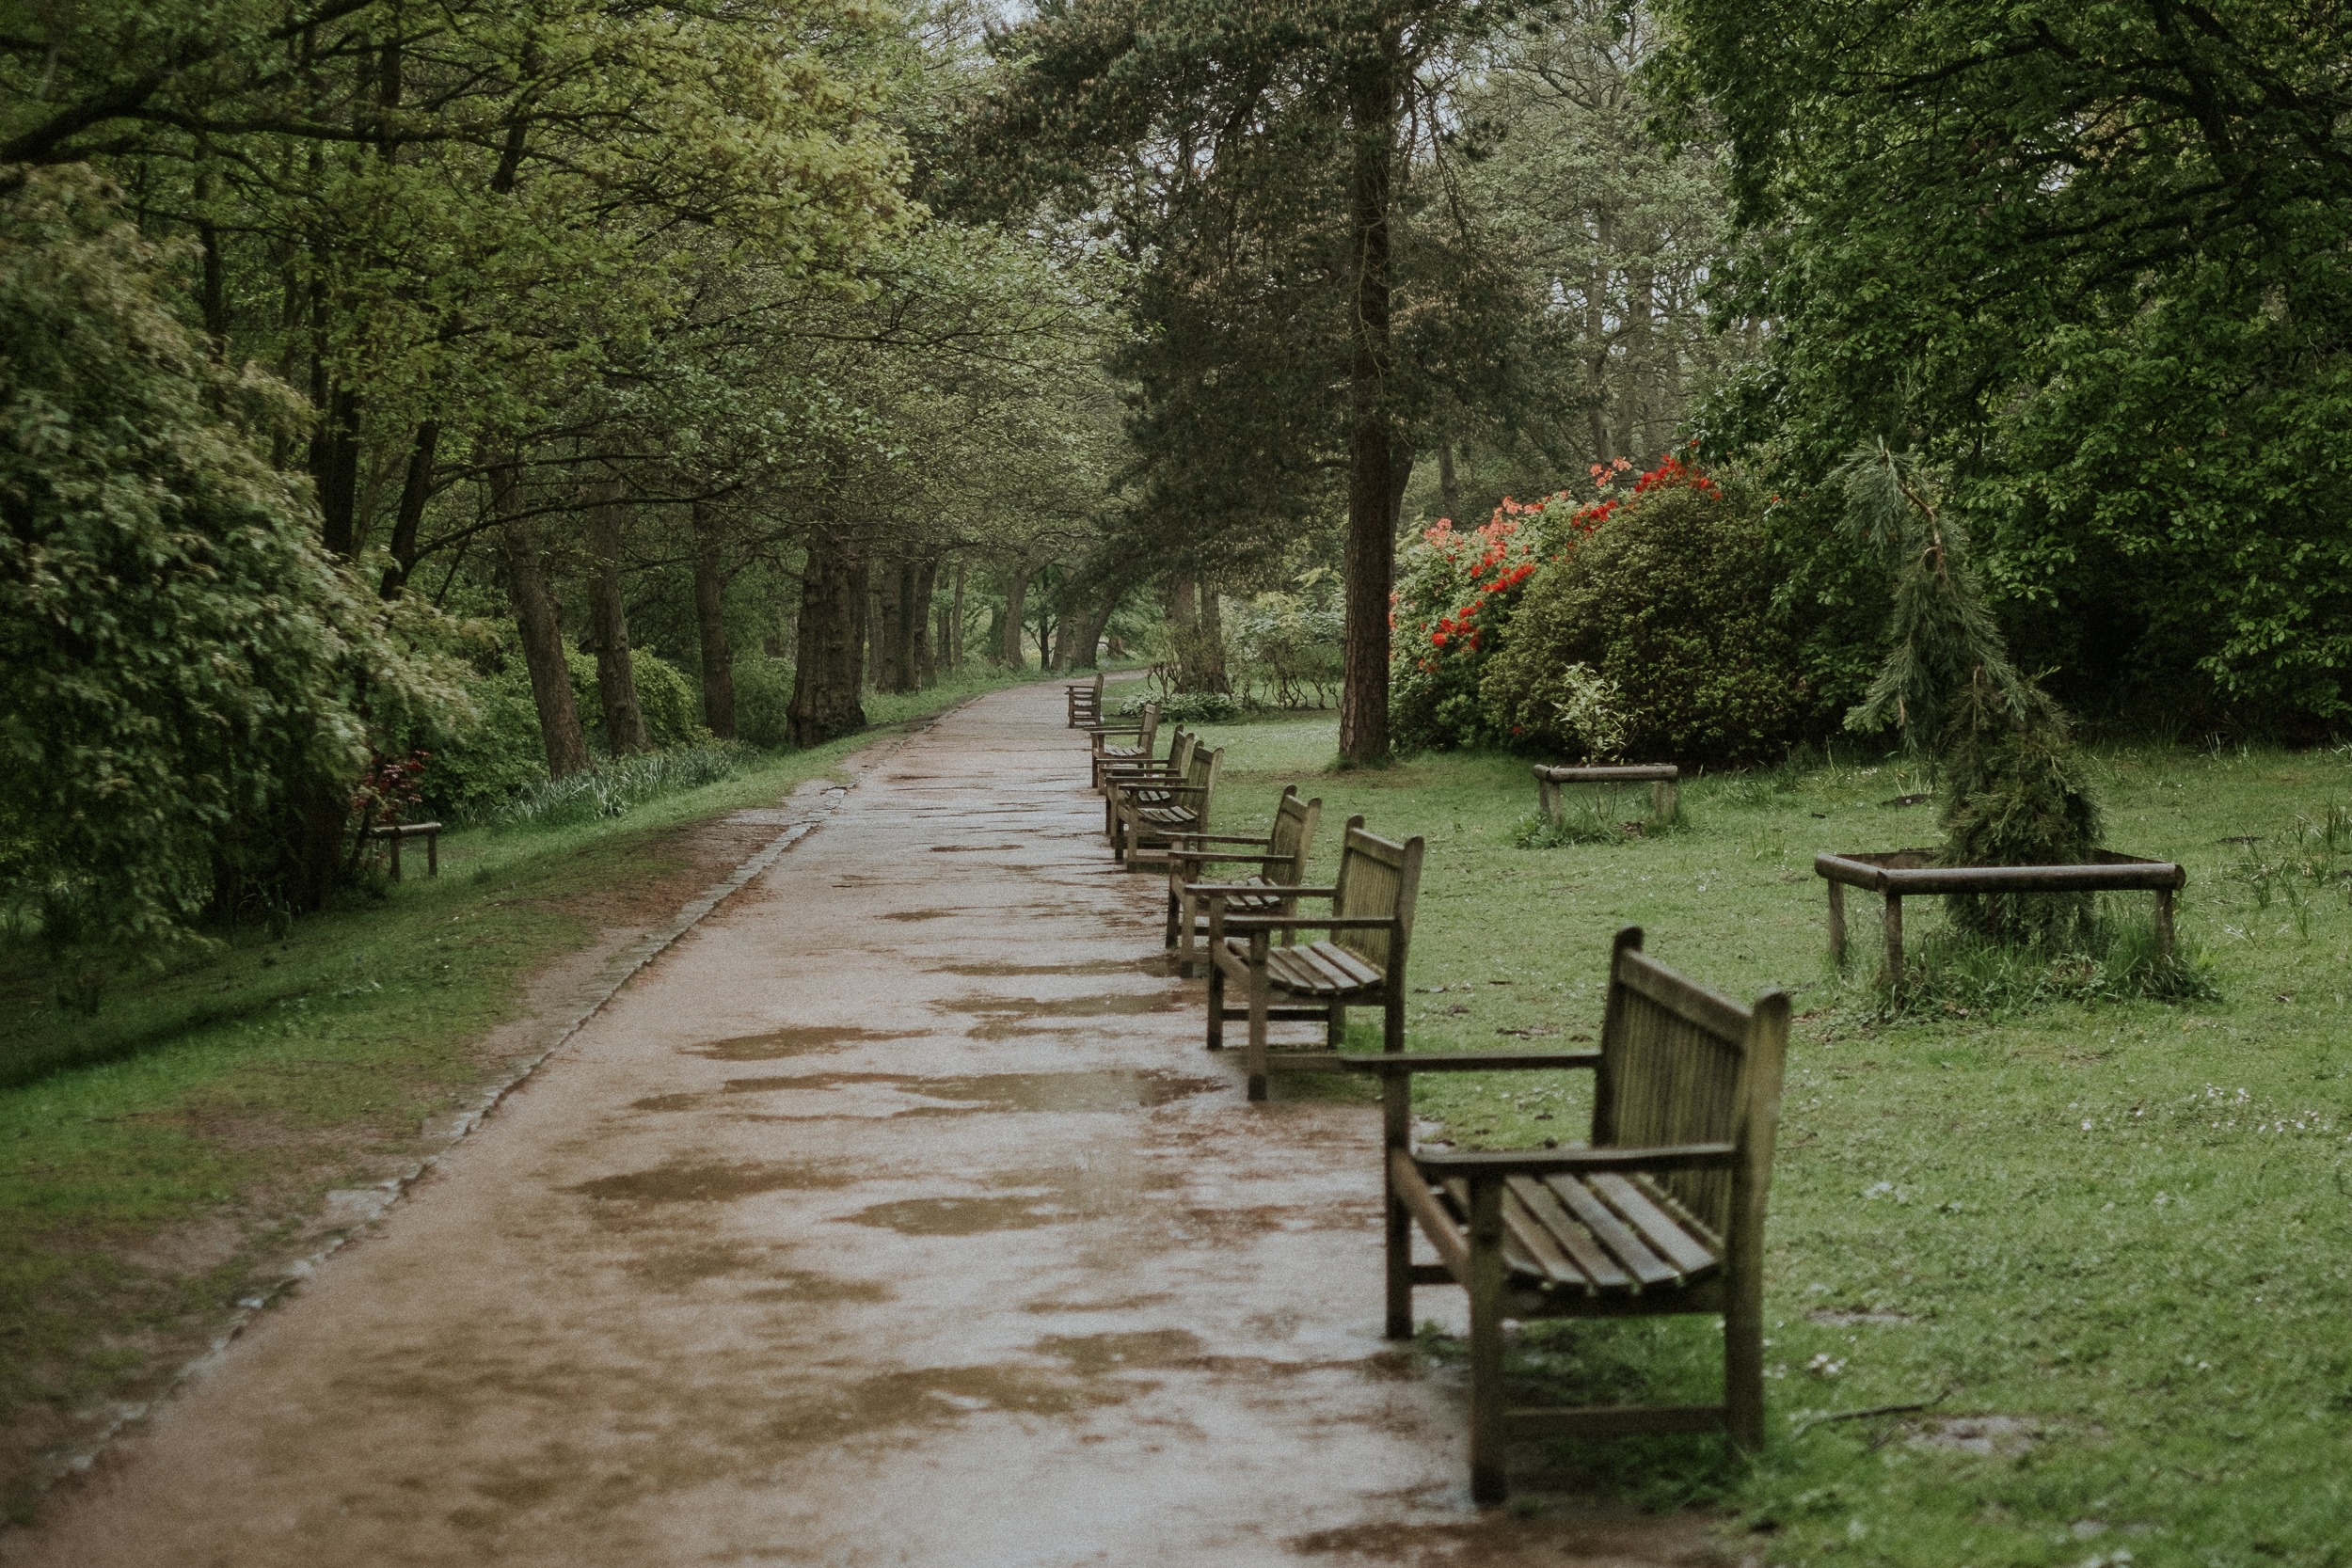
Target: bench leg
(1260,998)
(1895,940)
(1216,998)
(1489,1479)
(1396,1114)
(395,857)
(1743,1371)
(1548,800)
(1335,1028)
(431,855)
(2164,923)
(1837,923)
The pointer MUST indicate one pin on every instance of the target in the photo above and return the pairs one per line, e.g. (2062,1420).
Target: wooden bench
(1086,702)
(1361,964)
(1663,1213)
(1281,856)
(1152,811)
(1664,779)
(1145,730)
(1145,775)
(397,833)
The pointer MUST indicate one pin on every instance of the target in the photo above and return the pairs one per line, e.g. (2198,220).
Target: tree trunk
(1016,618)
(921,615)
(889,624)
(1180,611)
(830,646)
(1371,565)
(335,470)
(616,675)
(538,620)
(907,634)
(955,625)
(1642,417)
(415,490)
(1595,337)
(1208,646)
(711,622)
(1449,491)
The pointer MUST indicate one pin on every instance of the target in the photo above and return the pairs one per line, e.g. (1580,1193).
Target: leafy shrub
(616,785)
(1452,614)
(1186,708)
(1288,650)
(1669,602)
(763,693)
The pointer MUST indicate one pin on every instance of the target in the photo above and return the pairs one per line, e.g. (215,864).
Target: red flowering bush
(1452,611)
(1668,605)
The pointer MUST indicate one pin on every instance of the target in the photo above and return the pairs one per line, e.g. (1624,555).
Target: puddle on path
(679,1268)
(709,1182)
(1088,966)
(1111,1089)
(972,849)
(1091,1353)
(666,1102)
(796,1040)
(799,1285)
(922,914)
(932,1396)
(963,1216)
(807,1080)
(1113,1006)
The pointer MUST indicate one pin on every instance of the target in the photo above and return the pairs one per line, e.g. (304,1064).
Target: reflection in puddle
(1090,966)
(922,914)
(962,1216)
(933,1395)
(1091,1353)
(666,1102)
(796,1041)
(1115,1005)
(802,1286)
(709,1182)
(1111,1089)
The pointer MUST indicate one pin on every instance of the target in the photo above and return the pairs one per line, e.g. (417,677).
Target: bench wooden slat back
(1294,836)
(1676,1067)
(1377,877)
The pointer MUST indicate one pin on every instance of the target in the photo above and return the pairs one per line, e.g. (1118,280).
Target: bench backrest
(1151,721)
(1681,1064)
(1377,877)
(1201,775)
(1293,836)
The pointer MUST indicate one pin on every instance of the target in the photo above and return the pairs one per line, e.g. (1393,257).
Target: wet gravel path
(894,1215)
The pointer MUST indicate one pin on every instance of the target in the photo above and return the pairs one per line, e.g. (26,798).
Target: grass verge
(157,1152)
(2098,1241)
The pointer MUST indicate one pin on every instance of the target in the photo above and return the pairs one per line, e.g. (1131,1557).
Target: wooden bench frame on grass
(1086,702)
(1146,729)
(1900,873)
(1281,856)
(1663,1212)
(1152,813)
(1361,965)
(396,834)
(1664,779)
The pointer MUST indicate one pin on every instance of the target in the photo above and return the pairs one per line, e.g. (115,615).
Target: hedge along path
(893,1215)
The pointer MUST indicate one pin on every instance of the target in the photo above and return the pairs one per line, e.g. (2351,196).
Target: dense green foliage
(188,685)
(1669,606)
(2099,253)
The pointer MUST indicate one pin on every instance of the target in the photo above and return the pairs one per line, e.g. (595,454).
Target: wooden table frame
(1900,873)
(1663,779)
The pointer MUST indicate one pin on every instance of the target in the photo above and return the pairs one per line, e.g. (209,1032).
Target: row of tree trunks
(1010,652)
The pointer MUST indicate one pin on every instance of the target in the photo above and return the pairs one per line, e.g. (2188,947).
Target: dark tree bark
(830,646)
(889,624)
(1449,491)
(924,650)
(711,622)
(416,488)
(1016,618)
(1181,599)
(1371,565)
(335,470)
(616,675)
(539,621)
(955,625)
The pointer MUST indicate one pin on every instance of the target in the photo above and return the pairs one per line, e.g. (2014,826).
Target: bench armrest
(1220,857)
(1223,838)
(1404,1063)
(1245,924)
(1579,1162)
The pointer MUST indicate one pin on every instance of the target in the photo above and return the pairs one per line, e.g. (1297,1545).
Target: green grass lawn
(2123,1230)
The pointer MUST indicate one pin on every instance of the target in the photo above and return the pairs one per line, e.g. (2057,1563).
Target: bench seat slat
(1664,1235)
(1611,1232)
(1600,1270)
